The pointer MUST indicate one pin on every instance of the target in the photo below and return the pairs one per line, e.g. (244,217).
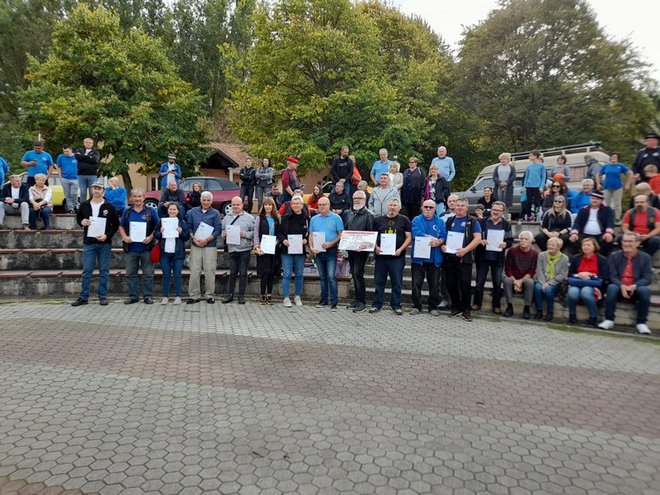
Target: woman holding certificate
(293,237)
(266,226)
(172,232)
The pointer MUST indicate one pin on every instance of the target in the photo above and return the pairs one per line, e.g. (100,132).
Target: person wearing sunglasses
(556,223)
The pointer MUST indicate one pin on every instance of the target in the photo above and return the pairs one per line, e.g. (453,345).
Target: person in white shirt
(15,200)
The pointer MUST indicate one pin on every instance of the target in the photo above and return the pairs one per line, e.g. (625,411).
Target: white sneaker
(298,301)
(177,300)
(606,325)
(643,329)
(164,300)
(287,302)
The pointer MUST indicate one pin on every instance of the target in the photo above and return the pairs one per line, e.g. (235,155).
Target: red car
(222,189)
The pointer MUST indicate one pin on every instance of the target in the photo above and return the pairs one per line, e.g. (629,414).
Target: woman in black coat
(266,223)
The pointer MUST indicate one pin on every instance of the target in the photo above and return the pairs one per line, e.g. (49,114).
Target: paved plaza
(250,399)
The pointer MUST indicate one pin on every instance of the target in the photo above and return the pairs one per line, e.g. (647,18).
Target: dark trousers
(238,269)
(357,261)
(534,199)
(247,190)
(430,271)
(496,275)
(459,277)
(442,284)
(392,267)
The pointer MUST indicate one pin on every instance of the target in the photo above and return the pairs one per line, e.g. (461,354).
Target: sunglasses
(556,185)
(428,207)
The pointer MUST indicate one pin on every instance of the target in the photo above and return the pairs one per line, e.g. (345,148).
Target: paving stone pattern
(252,399)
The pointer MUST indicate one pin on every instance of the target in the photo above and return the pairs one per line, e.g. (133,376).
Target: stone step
(45,239)
(58,221)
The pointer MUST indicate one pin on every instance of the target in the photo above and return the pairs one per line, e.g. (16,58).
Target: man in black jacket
(15,199)
(248,178)
(414,180)
(342,167)
(88,164)
(362,220)
(595,220)
(96,214)
(647,156)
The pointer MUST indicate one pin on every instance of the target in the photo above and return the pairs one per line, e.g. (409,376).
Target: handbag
(590,282)
(155,253)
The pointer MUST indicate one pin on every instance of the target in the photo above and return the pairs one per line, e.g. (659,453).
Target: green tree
(117,87)
(541,73)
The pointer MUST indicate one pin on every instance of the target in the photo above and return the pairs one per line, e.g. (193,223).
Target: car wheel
(225,208)
(151,203)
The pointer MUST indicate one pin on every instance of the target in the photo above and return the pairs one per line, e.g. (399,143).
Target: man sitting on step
(15,199)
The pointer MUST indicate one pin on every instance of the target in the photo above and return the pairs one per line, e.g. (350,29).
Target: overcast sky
(633,19)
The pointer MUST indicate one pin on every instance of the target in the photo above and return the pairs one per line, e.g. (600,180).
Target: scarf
(552,261)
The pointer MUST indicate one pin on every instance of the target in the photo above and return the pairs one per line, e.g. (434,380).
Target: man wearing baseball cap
(650,155)
(595,220)
(290,181)
(170,171)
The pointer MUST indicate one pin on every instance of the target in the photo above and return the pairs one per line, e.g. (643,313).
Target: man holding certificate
(136,228)
(204,225)
(238,233)
(100,222)
(394,236)
(325,230)
(292,235)
(429,233)
(463,237)
(497,238)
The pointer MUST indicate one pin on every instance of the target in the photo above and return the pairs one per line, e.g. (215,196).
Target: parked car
(55,185)
(574,159)
(222,189)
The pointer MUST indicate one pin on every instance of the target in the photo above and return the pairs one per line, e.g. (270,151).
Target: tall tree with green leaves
(117,87)
(542,73)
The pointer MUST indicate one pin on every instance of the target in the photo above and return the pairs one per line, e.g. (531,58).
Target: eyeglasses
(428,207)
(556,185)
(358,199)
(496,211)
(558,201)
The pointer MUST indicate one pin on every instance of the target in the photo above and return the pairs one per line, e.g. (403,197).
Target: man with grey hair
(15,200)
(380,196)
(390,263)
(205,227)
(519,269)
(239,253)
(380,167)
(445,164)
(136,228)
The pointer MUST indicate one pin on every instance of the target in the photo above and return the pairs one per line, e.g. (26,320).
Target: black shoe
(321,304)
(592,322)
(526,314)
(508,312)
(359,307)
(192,301)
(241,300)
(455,312)
(148,300)
(572,319)
(210,300)
(549,317)
(131,300)
(467,315)
(537,316)
(397,311)
(352,305)
(103,302)
(79,302)
(228,298)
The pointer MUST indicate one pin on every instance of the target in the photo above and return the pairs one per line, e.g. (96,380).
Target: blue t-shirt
(133,216)
(380,168)
(612,173)
(68,166)
(458,225)
(44,161)
(535,176)
(4,169)
(331,224)
(271,225)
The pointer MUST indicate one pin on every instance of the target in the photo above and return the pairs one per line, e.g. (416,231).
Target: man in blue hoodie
(427,225)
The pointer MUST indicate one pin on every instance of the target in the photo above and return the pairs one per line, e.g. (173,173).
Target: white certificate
(233,235)
(268,243)
(319,239)
(295,243)
(204,231)
(423,247)
(387,244)
(454,241)
(495,238)
(138,231)
(353,240)
(96,227)
(170,225)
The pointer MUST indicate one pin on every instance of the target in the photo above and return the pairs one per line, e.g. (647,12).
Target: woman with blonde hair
(556,223)
(41,205)
(551,272)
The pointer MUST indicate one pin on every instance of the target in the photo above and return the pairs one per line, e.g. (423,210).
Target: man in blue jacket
(169,171)
(205,227)
(432,228)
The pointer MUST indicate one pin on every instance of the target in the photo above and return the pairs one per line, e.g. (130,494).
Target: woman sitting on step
(41,205)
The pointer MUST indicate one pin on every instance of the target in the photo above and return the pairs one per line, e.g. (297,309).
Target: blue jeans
(70,188)
(43,213)
(133,262)
(91,253)
(169,264)
(291,262)
(85,186)
(548,294)
(394,268)
(327,264)
(587,296)
(642,295)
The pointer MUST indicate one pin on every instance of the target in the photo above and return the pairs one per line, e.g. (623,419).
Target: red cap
(292,160)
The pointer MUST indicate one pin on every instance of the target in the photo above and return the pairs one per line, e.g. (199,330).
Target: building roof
(224,156)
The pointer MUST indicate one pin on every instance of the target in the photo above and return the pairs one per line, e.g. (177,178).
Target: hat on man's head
(99,183)
(172,156)
(597,194)
(652,135)
(292,159)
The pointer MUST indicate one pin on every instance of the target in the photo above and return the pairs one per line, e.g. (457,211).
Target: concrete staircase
(39,263)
